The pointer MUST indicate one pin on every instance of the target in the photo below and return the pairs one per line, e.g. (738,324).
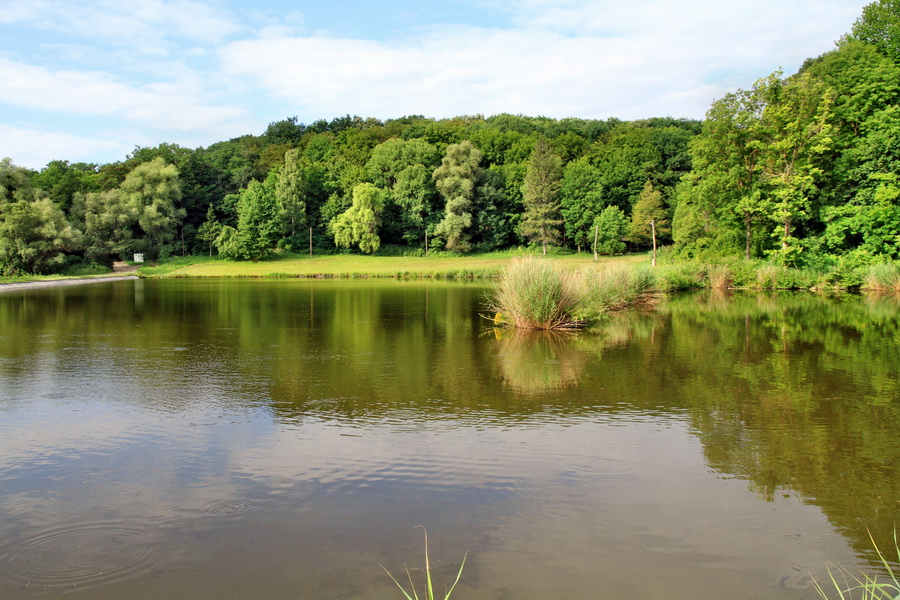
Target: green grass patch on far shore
(354,265)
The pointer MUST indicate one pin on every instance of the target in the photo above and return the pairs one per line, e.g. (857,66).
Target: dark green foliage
(541,222)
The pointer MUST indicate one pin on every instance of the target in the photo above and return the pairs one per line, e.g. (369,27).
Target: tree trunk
(747,221)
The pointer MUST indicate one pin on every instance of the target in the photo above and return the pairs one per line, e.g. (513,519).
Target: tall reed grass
(533,293)
(882,278)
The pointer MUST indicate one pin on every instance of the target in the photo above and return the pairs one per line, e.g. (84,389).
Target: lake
(175,439)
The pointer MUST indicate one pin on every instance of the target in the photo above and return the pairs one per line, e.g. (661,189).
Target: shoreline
(51,283)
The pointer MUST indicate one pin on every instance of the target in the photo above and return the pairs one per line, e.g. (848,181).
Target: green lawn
(350,265)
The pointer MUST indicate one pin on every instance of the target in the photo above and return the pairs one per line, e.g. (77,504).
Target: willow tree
(541,222)
(153,190)
(358,226)
(456,180)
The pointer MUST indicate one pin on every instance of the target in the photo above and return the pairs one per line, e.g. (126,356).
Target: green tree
(358,226)
(108,224)
(581,200)
(611,224)
(649,207)
(796,131)
(259,226)
(291,190)
(402,168)
(879,25)
(456,180)
(541,222)
(153,190)
(35,236)
(728,164)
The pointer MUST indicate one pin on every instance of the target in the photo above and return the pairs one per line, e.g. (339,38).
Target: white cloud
(34,148)
(140,24)
(174,105)
(596,58)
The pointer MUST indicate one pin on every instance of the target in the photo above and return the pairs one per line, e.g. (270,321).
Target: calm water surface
(282,439)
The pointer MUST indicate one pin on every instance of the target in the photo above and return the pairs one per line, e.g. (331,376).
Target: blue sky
(88,80)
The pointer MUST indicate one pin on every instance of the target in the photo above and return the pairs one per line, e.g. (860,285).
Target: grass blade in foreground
(428,582)
(864,586)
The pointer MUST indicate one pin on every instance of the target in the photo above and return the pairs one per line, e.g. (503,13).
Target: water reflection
(281,439)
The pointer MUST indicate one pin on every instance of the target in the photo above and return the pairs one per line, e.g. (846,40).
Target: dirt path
(123,272)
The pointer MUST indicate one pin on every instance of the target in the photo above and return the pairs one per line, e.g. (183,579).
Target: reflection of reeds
(848,585)
(535,361)
(412,594)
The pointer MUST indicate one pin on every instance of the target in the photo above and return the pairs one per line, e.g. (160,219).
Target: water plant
(532,293)
(882,278)
(412,594)
(865,586)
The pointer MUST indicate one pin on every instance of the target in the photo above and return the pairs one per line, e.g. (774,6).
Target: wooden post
(653,229)
(596,232)
(310,242)
(426,243)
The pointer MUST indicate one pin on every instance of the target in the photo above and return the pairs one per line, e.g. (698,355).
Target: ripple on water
(233,507)
(84,556)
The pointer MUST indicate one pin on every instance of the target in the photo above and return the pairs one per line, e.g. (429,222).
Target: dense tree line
(804,169)
(800,169)
(463,184)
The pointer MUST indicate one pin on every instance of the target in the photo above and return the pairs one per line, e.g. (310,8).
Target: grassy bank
(353,265)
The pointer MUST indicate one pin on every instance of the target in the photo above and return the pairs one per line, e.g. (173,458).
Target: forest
(799,170)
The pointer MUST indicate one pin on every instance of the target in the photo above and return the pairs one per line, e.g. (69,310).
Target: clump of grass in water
(412,594)
(533,294)
(867,587)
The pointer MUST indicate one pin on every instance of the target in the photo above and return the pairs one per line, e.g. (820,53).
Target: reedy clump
(532,293)
(882,278)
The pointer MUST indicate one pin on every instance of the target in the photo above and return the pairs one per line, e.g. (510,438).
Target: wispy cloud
(35,147)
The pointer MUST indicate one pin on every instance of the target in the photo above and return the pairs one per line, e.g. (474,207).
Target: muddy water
(282,439)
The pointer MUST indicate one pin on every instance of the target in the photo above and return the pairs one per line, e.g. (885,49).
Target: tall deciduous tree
(358,226)
(541,222)
(581,200)
(108,224)
(727,160)
(611,225)
(456,180)
(879,25)
(259,224)
(35,236)
(153,189)
(797,131)
(649,207)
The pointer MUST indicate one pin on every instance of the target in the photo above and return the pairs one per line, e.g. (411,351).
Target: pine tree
(541,223)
